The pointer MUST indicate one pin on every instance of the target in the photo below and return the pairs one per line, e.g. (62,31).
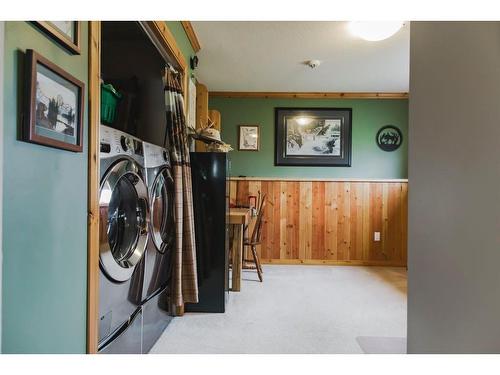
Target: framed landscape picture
(313,136)
(248,138)
(53,112)
(66,33)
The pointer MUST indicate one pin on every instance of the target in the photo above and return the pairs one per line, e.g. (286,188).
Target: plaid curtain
(184,277)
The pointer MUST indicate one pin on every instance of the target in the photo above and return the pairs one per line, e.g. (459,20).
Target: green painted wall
(368,161)
(44,217)
(45,213)
(182,40)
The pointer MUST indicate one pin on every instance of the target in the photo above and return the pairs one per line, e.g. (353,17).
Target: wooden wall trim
(2,54)
(326,262)
(163,35)
(164,40)
(201,113)
(193,39)
(383,180)
(310,95)
(93,186)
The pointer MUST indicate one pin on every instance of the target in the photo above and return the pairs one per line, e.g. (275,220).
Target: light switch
(376,236)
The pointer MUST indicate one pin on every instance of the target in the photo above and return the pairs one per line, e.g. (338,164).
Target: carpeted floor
(301,309)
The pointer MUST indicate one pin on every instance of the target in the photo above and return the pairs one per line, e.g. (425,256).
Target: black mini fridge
(210,176)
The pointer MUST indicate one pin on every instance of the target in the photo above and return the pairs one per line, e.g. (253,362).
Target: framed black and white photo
(66,33)
(313,136)
(248,138)
(53,113)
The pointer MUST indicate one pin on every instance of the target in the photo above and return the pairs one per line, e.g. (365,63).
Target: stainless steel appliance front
(124,214)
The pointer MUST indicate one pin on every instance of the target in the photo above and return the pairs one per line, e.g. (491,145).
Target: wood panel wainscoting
(320,221)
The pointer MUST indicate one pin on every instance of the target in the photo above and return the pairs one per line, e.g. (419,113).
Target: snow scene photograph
(310,136)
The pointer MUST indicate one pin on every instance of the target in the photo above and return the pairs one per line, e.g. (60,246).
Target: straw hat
(211,137)
(210,134)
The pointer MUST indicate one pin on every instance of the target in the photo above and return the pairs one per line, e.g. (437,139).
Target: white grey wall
(454,188)
(2,38)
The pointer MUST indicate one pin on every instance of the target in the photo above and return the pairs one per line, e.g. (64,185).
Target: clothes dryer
(159,250)
(123,236)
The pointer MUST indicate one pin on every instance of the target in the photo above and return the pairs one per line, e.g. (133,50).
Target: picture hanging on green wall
(248,138)
(54,105)
(66,33)
(389,138)
(313,136)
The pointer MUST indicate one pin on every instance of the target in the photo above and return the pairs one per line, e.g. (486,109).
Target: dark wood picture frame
(30,134)
(321,157)
(239,137)
(72,45)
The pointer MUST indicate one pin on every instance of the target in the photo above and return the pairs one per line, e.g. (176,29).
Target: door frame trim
(2,58)
(93,186)
(163,39)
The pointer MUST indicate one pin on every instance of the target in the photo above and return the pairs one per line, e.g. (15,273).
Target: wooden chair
(256,238)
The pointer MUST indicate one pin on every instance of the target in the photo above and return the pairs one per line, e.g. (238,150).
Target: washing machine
(123,236)
(159,250)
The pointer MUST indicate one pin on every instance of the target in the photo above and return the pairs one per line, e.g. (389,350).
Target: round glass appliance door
(162,211)
(123,220)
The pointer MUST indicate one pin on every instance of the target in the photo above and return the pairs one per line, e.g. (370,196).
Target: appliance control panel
(114,142)
(155,156)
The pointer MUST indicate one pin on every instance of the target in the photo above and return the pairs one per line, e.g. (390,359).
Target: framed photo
(248,138)
(313,136)
(66,33)
(53,112)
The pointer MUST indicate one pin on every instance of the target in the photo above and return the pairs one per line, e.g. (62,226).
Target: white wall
(454,188)
(1,167)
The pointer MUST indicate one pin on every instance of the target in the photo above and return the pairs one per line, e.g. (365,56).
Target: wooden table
(239,218)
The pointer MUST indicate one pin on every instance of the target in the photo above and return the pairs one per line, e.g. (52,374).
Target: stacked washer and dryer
(136,237)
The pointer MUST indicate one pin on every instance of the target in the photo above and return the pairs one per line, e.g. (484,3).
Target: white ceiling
(269,56)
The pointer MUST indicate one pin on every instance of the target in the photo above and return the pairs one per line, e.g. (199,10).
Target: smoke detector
(313,63)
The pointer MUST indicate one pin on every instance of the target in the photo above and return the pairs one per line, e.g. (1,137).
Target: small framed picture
(249,138)
(66,33)
(313,136)
(53,112)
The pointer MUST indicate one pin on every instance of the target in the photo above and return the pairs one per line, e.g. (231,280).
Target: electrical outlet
(376,236)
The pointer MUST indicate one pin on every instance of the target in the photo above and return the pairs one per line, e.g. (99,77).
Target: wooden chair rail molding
(245,178)
(310,95)
(330,222)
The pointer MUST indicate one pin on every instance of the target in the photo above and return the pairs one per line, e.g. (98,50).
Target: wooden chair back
(257,229)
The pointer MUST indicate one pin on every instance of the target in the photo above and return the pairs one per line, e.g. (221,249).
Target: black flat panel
(209,174)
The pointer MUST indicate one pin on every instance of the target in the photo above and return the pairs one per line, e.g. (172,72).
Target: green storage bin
(109,103)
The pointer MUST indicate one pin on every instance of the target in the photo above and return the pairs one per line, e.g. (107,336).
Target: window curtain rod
(169,66)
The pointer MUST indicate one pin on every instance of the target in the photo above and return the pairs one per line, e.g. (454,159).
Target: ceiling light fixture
(374,31)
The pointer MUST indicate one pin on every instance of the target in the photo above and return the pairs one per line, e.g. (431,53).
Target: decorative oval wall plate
(389,138)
